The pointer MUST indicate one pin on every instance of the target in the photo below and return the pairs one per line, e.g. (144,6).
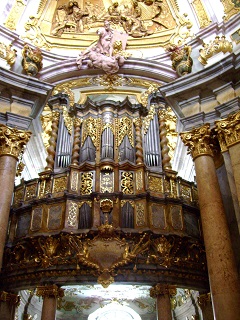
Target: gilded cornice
(12,141)
(198,141)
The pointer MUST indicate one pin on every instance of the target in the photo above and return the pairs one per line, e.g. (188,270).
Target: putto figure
(102,55)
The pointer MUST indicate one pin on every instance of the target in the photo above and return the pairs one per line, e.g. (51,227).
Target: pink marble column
(12,142)
(49,293)
(229,138)
(162,293)
(8,304)
(205,303)
(222,270)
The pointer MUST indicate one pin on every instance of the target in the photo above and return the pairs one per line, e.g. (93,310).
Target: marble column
(8,304)
(49,293)
(12,143)
(162,293)
(205,303)
(229,139)
(222,270)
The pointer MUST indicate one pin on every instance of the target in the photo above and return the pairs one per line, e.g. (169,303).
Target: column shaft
(222,269)
(7,176)
(234,152)
(49,308)
(164,307)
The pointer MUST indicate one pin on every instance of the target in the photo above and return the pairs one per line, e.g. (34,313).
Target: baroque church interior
(119,159)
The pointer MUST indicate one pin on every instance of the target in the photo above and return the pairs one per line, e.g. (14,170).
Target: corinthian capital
(162,289)
(50,291)
(12,141)
(229,130)
(198,140)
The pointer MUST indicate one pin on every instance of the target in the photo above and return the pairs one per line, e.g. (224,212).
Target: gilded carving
(9,297)
(30,192)
(155,184)
(74,180)
(50,291)
(125,201)
(198,141)
(163,139)
(106,184)
(34,33)
(44,188)
(90,127)
(127,186)
(204,299)
(230,8)
(73,210)
(86,183)
(18,196)
(140,215)
(125,128)
(202,15)
(15,14)
(106,205)
(7,53)
(152,87)
(106,254)
(185,192)
(183,31)
(181,59)
(13,141)
(228,130)
(162,247)
(162,289)
(214,47)
(110,81)
(133,18)
(59,184)
(139,180)
(146,120)
(32,60)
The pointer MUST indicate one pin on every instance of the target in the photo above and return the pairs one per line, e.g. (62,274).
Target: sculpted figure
(104,43)
(114,13)
(32,60)
(101,55)
(69,18)
(181,60)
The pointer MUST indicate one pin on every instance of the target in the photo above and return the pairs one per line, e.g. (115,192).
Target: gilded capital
(50,291)
(198,141)
(162,289)
(228,130)
(9,297)
(12,141)
(204,299)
